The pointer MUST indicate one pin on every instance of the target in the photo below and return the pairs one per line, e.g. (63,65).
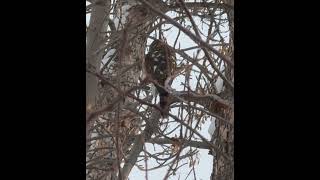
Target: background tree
(123,113)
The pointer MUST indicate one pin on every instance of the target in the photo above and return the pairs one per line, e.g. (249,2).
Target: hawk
(160,63)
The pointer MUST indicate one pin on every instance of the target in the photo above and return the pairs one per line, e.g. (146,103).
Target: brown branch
(110,107)
(135,151)
(197,47)
(207,112)
(202,5)
(199,41)
(190,34)
(215,148)
(198,98)
(195,144)
(181,3)
(194,62)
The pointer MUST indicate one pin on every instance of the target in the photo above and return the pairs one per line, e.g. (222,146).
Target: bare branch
(195,144)
(187,32)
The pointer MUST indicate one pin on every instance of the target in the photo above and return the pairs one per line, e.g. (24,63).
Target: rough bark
(223,136)
(94,40)
(129,43)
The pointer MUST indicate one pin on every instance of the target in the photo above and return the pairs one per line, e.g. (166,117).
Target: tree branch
(190,34)
(202,5)
(195,144)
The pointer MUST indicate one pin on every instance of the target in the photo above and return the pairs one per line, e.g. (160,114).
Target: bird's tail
(164,102)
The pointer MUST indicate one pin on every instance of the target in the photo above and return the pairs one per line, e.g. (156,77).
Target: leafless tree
(122,110)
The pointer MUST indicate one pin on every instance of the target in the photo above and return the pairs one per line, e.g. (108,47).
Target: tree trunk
(94,40)
(129,41)
(224,133)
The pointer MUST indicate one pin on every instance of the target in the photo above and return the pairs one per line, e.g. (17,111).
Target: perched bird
(160,64)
